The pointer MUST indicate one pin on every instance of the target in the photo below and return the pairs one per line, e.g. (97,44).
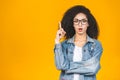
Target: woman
(78,56)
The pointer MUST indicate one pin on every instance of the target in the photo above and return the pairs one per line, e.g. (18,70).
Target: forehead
(80,16)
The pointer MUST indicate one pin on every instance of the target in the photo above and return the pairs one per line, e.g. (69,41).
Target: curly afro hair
(67,22)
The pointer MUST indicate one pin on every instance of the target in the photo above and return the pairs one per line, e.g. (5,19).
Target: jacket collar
(71,40)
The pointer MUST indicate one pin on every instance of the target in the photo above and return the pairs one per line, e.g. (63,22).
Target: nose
(80,24)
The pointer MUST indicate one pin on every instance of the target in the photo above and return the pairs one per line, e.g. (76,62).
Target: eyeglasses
(77,21)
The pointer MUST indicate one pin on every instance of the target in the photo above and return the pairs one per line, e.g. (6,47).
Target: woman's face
(80,23)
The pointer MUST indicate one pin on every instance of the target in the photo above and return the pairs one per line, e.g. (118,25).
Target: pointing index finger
(60,25)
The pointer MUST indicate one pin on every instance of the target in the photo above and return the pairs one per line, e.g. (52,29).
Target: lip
(80,29)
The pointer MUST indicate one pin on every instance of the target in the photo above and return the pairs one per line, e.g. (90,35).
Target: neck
(79,37)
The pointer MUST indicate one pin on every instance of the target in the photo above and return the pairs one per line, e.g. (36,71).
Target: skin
(80,31)
(60,34)
(80,16)
(80,35)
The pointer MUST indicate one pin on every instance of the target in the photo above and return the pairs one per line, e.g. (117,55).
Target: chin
(80,33)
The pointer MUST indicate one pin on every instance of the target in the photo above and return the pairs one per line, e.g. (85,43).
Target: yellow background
(28,29)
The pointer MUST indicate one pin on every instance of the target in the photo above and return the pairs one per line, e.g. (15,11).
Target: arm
(88,67)
(61,60)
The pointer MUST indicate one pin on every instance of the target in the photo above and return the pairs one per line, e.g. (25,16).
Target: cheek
(75,27)
(85,27)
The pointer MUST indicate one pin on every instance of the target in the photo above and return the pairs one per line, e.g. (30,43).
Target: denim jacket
(87,68)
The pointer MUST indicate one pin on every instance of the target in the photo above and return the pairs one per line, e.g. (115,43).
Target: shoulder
(64,43)
(98,44)
(68,42)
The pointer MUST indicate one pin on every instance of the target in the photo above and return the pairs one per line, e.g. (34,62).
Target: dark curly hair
(67,22)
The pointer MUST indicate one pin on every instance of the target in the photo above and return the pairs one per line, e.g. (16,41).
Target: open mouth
(80,29)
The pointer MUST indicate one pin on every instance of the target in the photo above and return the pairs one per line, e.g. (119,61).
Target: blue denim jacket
(87,68)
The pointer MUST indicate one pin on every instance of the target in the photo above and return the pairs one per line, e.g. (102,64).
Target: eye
(84,20)
(76,20)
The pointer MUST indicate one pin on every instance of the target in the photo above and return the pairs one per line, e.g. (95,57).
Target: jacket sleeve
(88,67)
(60,56)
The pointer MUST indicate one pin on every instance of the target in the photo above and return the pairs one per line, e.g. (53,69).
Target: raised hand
(60,34)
